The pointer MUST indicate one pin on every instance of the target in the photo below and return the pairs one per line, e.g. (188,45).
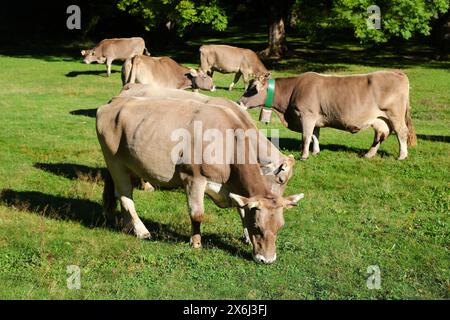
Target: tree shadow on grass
(292,144)
(435,138)
(73,74)
(89,214)
(91,113)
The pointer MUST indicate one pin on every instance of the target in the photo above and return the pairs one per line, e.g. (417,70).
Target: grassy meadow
(356,212)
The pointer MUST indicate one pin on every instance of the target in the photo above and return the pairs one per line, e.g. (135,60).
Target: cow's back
(142,134)
(121,48)
(222,58)
(349,101)
(158,72)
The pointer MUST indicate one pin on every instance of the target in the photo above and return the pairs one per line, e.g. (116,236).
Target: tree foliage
(177,14)
(399,18)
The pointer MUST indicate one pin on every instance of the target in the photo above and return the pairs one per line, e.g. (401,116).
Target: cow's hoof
(143,236)
(402,157)
(315,153)
(196,241)
(141,231)
(368,155)
(148,187)
(304,158)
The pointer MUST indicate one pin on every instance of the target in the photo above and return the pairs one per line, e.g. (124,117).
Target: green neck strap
(270,93)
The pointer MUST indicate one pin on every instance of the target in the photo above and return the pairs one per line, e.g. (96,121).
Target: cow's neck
(248,181)
(185,81)
(282,95)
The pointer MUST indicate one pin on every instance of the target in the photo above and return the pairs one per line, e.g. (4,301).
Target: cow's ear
(239,200)
(243,201)
(83,52)
(291,201)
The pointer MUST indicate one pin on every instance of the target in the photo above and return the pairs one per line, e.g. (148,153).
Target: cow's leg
(400,128)
(245,78)
(315,138)
(124,191)
(195,191)
(308,125)
(237,76)
(382,131)
(242,215)
(108,66)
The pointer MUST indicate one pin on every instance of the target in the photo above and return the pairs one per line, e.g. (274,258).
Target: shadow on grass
(292,144)
(89,214)
(331,54)
(73,171)
(91,113)
(73,74)
(436,138)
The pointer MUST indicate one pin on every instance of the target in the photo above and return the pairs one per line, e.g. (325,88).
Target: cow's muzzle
(261,259)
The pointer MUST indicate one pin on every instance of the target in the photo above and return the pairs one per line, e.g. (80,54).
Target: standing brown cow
(140,137)
(228,59)
(109,50)
(353,102)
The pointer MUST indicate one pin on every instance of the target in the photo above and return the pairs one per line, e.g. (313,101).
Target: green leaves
(178,14)
(399,18)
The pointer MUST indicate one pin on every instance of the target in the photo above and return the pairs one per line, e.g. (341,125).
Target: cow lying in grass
(164,72)
(310,101)
(136,136)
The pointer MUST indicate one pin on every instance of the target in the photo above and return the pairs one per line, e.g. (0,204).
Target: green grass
(356,212)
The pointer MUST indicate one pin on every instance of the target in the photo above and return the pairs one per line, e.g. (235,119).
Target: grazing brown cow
(276,167)
(164,72)
(228,59)
(310,101)
(139,137)
(109,50)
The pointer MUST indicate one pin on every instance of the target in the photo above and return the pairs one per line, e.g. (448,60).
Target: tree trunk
(440,35)
(277,12)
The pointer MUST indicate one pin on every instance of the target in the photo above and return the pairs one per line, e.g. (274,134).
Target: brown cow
(276,167)
(137,139)
(109,50)
(353,102)
(164,72)
(228,59)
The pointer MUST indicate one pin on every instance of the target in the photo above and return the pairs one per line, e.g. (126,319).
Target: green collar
(270,93)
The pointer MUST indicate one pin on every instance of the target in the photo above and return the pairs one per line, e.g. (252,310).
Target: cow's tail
(126,70)
(412,138)
(146,52)
(109,198)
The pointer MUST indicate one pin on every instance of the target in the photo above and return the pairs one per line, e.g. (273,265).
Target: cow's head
(278,174)
(200,80)
(263,219)
(256,93)
(90,56)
